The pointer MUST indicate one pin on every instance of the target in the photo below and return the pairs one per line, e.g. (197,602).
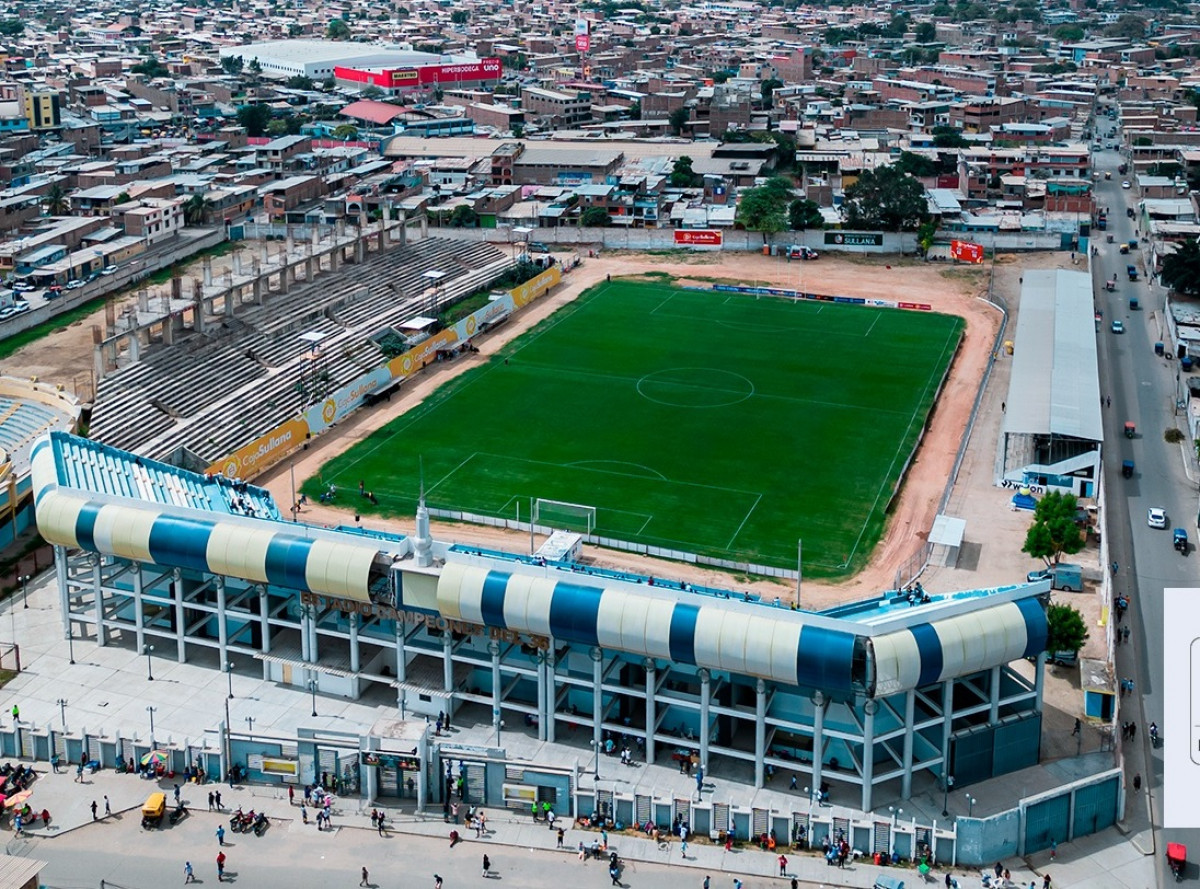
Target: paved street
(1143,389)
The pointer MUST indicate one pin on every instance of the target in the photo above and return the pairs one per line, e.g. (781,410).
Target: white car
(23,287)
(1125,184)
(1156,518)
(74,284)
(109,270)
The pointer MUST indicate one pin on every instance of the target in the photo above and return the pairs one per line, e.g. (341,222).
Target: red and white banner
(583,35)
(966,251)
(396,78)
(699,237)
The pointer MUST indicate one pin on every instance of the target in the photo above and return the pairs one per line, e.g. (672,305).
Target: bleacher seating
(23,422)
(212,397)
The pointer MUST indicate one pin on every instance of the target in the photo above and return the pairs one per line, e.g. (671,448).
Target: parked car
(1118,327)
(109,270)
(1125,184)
(1156,518)
(23,286)
(75,284)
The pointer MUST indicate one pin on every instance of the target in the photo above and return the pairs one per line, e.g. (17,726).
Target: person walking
(707,884)
(487,866)
(210,801)
(176,794)
(188,876)
(16,713)
(364,881)
(291,795)
(220,834)
(379,823)
(303,813)
(95,806)
(217,796)
(1053,850)
(683,849)
(437,882)
(559,838)
(220,867)
(107,807)
(783,865)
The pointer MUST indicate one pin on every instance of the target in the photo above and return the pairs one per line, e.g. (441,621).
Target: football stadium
(713,420)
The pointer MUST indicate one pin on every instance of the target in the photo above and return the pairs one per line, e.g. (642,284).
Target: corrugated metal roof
(1054,388)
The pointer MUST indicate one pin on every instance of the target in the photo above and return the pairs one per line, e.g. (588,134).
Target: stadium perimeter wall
(268,450)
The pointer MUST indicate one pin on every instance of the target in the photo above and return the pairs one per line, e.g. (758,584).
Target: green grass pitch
(708,422)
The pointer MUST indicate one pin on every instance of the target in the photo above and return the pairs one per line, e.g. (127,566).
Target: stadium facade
(880,689)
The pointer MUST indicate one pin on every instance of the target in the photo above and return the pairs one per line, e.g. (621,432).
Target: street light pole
(71,638)
(62,707)
(970,806)
(229,673)
(148,650)
(312,686)
(151,710)
(947,784)
(24,590)
(596,759)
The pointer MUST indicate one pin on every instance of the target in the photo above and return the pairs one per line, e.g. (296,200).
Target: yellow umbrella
(17,799)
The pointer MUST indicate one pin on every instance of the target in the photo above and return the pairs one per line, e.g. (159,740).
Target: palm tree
(195,211)
(56,201)
(1181,269)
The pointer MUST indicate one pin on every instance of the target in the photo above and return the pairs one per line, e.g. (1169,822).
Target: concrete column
(818,761)
(402,230)
(551,693)
(597,697)
(1039,682)
(305,654)
(760,731)
(264,604)
(139,608)
(222,626)
(64,591)
(315,240)
(705,726)
(541,697)
(98,601)
(309,271)
(207,267)
(494,651)
(360,249)
(237,263)
(447,662)
(868,758)
(291,244)
(947,722)
(262,254)
(994,715)
(355,660)
(314,640)
(651,707)
(180,635)
(910,699)
(401,669)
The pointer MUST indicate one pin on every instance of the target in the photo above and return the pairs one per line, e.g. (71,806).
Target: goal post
(568,516)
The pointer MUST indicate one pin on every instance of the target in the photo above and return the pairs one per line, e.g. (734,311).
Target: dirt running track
(66,355)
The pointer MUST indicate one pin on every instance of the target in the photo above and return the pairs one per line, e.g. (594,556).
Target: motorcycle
(178,814)
(261,824)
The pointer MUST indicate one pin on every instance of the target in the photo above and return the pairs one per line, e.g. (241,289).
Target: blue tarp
(1024,501)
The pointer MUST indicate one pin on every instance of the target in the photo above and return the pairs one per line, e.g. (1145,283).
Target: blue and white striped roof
(169,517)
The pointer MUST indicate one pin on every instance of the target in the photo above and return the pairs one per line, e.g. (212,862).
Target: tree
(765,208)
(463,217)
(56,201)
(232,65)
(635,111)
(682,174)
(948,137)
(925,32)
(195,210)
(925,234)
(679,119)
(719,76)
(151,67)
(594,217)
(254,118)
(277,127)
(1065,628)
(300,82)
(768,88)
(122,198)
(915,164)
(1068,33)
(1127,27)
(460,17)
(13,27)
(345,131)
(338,30)
(886,198)
(255,67)
(804,214)
(371,92)
(1181,268)
(1054,531)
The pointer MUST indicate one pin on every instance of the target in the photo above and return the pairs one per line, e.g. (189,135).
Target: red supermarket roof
(375,112)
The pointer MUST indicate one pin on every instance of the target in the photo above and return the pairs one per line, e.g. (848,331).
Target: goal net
(569,516)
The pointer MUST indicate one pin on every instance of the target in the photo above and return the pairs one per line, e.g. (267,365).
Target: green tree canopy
(804,214)
(916,164)
(301,82)
(345,131)
(196,209)
(768,88)
(925,32)
(1129,27)
(151,67)
(682,175)
(679,119)
(460,17)
(254,118)
(56,201)
(1054,532)
(338,30)
(1066,629)
(765,208)
(948,137)
(463,217)
(1181,268)
(886,198)
(12,27)
(1068,33)
(594,217)
(232,65)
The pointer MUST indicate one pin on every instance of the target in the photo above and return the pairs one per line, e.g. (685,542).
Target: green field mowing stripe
(730,426)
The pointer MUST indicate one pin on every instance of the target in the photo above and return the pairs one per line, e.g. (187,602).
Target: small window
(428,699)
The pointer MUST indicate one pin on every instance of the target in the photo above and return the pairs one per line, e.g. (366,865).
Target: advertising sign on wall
(966,251)
(350,397)
(264,452)
(853,239)
(583,37)
(698,237)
